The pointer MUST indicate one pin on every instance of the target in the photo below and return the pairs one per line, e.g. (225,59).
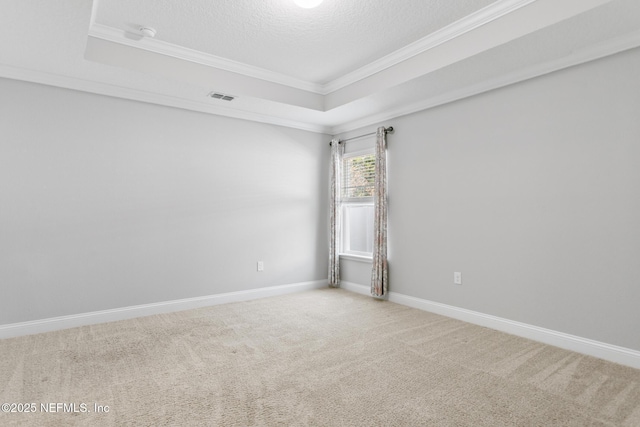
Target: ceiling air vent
(222,96)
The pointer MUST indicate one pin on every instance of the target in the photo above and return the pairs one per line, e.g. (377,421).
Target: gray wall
(108,203)
(533,193)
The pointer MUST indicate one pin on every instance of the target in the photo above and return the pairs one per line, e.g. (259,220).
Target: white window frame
(353,202)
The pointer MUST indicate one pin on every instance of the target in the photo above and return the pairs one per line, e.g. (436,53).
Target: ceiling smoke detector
(148,32)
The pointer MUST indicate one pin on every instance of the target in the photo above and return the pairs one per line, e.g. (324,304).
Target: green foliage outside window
(359,176)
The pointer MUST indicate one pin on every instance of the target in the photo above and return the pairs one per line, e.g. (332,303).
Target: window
(358,177)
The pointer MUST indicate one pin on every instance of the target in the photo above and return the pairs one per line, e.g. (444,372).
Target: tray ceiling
(339,66)
(316,45)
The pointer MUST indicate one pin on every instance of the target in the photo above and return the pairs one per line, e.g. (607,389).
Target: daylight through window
(358,179)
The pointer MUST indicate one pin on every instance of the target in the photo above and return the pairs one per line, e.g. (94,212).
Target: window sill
(358,258)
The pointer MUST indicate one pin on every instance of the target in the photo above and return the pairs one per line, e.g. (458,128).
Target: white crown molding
(601,50)
(150,97)
(157,46)
(610,352)
(469,23)
(92,318)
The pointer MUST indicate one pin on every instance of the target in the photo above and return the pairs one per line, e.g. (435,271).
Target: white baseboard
(92,318)
(610,352)
(354,287)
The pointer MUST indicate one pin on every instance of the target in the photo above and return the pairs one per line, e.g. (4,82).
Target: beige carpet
(324,358)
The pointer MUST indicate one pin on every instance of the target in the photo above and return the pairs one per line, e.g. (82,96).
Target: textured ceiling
(48,42)
(316,45)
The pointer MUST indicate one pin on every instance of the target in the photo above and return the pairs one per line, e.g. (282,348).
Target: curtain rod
(340,141)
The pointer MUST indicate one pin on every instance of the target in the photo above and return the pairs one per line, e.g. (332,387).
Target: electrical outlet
(457,278)
(260,266)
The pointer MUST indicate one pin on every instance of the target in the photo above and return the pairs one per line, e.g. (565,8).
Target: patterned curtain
(379,279)
(337,150)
